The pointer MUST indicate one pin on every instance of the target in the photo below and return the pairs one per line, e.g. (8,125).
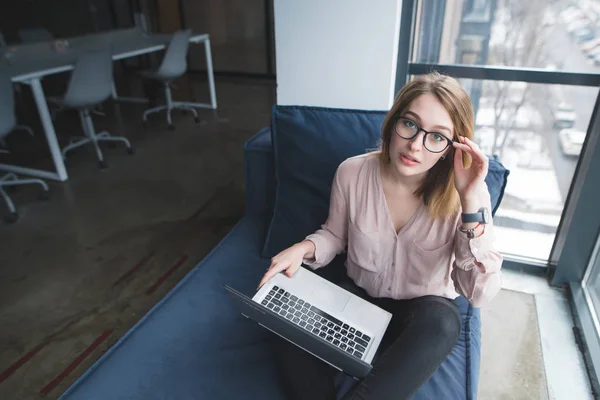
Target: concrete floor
(512,364)
(79,270)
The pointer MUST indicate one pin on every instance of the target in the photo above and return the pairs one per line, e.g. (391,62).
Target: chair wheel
(196,119)
(102,164)
(11,218)
(171,127)
(44,196)
(130,150)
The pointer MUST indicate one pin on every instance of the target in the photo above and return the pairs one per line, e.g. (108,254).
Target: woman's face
(408,156)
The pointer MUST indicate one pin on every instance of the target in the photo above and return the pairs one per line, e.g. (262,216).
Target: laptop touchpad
(326,296)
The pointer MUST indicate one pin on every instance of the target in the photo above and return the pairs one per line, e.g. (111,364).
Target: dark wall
(63,18)
(241,33)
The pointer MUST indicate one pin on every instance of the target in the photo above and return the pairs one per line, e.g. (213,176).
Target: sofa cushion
(259,174)
(496,180)
(309,144)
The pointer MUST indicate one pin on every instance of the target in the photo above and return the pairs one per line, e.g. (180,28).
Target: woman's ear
(447,153)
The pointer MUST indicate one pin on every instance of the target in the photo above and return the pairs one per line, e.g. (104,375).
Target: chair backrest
(35,35)
(174,63)
(91,81)
(139,19)
(8,120)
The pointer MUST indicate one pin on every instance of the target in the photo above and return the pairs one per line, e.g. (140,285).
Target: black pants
(421,334)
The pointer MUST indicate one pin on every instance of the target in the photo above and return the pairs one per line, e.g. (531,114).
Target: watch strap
(482,215)
(472,217)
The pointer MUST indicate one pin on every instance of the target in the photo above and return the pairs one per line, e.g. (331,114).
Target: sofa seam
(264,249)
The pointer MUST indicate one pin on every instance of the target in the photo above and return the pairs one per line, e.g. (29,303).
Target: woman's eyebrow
(414,114)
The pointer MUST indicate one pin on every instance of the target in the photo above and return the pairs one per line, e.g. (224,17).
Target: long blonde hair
(437,189)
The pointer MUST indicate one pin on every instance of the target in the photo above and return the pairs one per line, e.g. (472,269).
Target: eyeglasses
(433,141)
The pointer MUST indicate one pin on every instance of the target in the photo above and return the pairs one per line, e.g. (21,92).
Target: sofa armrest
(259,174)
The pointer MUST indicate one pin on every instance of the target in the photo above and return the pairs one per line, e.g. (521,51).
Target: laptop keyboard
(318,322)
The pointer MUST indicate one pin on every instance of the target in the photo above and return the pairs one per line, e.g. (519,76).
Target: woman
(415,219)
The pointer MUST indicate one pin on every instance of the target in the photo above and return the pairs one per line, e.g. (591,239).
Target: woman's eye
(437,137)
(409,124)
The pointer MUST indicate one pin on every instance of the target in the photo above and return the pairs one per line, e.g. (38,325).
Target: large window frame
(579,226)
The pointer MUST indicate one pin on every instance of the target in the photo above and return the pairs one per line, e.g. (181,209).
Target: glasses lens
(406,128)
(435,142)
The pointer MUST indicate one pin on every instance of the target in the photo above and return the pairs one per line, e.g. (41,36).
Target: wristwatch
(482,216)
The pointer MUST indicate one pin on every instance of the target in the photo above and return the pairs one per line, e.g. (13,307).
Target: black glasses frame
(419,129)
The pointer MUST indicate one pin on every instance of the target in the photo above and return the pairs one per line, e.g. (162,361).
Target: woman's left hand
(468,180)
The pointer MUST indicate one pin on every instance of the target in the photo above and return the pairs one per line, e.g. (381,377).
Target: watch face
(486,215)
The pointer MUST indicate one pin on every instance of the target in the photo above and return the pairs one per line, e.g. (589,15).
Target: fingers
(458,158)
(274,269)
(292,270)
(471,148)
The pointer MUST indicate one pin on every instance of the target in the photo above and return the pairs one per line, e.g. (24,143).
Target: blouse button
(390,289)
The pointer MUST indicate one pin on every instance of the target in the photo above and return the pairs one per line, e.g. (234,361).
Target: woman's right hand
(289,260)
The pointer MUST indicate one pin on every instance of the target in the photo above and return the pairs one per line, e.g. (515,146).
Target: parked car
(584,34)
(571,141)
(594,52)
(564,116)
(590,45)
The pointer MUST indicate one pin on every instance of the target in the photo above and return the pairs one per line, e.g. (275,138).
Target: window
(534,34)
(536,130)
(532,70)
(538,135)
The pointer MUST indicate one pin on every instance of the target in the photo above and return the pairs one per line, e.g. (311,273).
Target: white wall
(336,53)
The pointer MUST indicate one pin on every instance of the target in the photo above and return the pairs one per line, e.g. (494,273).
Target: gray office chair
(91,84)
(35,35)
(16,127)
(174,65)
(140,21)
(8,123)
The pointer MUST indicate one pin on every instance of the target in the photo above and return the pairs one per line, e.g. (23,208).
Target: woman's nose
(416,143)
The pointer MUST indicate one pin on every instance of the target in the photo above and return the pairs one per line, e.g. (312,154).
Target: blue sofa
(194,344)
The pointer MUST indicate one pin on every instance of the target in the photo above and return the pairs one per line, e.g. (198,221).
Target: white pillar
(336,53)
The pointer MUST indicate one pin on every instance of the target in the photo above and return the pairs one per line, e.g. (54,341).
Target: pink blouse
(427,257)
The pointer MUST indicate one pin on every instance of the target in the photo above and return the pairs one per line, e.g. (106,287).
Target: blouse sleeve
(331,239)
(476,269)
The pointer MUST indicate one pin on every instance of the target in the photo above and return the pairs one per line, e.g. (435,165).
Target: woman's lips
(408,160)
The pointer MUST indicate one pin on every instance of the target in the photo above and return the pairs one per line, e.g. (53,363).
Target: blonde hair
(437,189)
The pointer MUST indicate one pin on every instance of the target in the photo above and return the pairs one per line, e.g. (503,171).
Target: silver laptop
(318,316)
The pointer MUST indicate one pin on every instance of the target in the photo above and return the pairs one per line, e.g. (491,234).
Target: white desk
(31,62)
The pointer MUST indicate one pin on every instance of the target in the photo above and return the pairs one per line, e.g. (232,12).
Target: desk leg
(211,77)
(42,106)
